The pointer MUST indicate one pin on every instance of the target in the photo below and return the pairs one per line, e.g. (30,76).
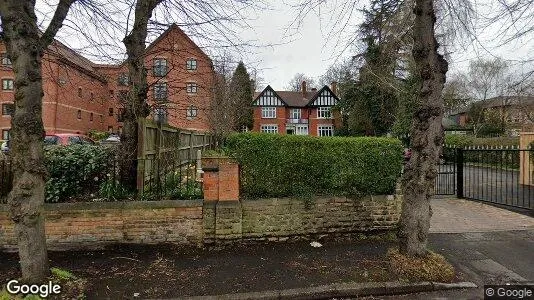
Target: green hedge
(469,140)
(76,170)
(288,165)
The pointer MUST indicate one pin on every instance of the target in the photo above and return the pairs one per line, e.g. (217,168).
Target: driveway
(451,215)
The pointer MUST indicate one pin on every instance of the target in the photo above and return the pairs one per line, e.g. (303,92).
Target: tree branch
(56,22)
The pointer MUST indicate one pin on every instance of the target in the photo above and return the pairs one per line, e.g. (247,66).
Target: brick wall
(88,225)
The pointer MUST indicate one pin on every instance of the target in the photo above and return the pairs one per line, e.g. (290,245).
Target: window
(8,109)
(7,84)
(91,117)
(191,64)
(79,114)
(101,119)
(123,96)
(5,134)
(123,79)
(92,97)
(160,91)
(268,112)
(51,140)
(110,113)
(160,115)
(191,88)
(119,129)
(294,113)
(192,112)
(110,129)
(324,112)
(120,116)
(6,61)
(325,130)
(269,128)
(73,140)
(111,93)
(79,92)
(160,67)
(301,130)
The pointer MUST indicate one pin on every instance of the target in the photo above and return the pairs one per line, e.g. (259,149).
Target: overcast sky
(281,48)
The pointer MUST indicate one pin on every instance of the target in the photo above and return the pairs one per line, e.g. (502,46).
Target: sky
(280,48)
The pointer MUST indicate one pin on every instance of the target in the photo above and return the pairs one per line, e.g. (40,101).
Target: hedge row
(469,140)
(288,165)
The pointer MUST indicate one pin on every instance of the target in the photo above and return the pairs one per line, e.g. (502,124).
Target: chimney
(333,87)
(303,88)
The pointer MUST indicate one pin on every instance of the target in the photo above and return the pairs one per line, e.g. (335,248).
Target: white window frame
(295,113)
(191,64)
(322,130)
(269,128)
(301,129)
(6,62)
(5,134)
(191,88)
(268,112)
(160,67)
(191,112)
(8,84)
(161,91)
(324,112)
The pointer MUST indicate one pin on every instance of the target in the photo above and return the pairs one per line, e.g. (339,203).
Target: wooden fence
(164,149)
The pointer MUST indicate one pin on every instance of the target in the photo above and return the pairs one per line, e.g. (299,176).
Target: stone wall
(197,222)
(90,225)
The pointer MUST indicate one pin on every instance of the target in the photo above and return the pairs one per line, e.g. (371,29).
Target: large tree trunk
(135,106)
(426,135)
(25,46)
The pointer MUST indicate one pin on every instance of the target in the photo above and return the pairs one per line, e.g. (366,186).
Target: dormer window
(6,62)
(160,67)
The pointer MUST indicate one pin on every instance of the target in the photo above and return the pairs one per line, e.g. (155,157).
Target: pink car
(67,139)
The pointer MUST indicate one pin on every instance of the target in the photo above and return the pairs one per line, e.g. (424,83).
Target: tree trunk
(136,105)
(25,47)
(27,132)
(426,135)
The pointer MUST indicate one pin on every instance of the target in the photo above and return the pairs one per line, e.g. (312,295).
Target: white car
(4,148)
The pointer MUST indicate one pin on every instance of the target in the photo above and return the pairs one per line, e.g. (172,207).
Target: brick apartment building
(80,95)
(301,113)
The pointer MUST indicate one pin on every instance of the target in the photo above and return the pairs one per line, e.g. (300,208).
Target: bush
(75,170)
(98,135)
(288,165)
(509,159)
(469,140)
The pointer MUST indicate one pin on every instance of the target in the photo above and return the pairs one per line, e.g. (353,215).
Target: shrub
(487,157)
(288,165)
(98,135)
(75,170)
(469,140)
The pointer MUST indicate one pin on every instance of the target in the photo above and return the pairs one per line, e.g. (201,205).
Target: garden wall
(89,225)
(194,222)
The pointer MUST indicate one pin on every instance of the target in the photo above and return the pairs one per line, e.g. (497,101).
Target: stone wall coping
(319,199)
(117,205)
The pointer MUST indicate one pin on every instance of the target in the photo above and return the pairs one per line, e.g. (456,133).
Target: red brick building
(80,95)
(301,113)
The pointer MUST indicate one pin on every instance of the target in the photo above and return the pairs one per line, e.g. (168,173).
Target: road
(487,184)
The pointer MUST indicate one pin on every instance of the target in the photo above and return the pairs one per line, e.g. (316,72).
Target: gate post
(460,173)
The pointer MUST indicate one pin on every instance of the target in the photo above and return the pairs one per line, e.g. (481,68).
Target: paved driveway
(451,215)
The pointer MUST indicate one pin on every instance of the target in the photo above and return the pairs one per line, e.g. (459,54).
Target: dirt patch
(432,267)
(166,271)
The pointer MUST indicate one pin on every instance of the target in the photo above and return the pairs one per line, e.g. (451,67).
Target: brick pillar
(221,179)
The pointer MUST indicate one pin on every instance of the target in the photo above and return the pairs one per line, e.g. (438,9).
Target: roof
(500,101)
(71,57)
(294,98)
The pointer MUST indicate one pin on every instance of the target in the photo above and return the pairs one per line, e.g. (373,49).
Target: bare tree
(295,84)
(26,45)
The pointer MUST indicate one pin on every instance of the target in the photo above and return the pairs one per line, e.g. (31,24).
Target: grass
(432,267)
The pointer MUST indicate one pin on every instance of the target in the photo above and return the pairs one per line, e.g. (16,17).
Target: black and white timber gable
(325,97)
(268,98)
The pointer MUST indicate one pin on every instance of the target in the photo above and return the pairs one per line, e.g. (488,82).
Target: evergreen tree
(240,95)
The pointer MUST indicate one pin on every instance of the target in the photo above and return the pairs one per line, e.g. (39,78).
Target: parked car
(67,139)
(4,147)
(112,139)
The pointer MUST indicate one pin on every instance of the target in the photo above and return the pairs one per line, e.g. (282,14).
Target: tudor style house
(80,95)
(300,113)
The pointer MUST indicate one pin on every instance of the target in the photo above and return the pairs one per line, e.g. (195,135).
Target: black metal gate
(445,183)
(499,176)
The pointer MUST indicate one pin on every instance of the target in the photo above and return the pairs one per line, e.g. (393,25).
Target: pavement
(490,245)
